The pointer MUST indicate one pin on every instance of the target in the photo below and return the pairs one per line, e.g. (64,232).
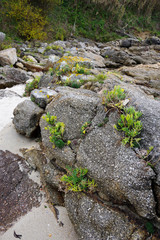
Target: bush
(28,20)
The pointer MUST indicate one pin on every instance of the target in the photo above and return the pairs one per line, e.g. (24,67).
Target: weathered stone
(153,41)
(18,193)
(79,106)
(119,173)
(2,36)
(129,42)
(42,96)
(26,118)
(94,220)
(97,60)
(49,174)
(33,67)
(146,75)
(18,75)
(8,57)
(46,81)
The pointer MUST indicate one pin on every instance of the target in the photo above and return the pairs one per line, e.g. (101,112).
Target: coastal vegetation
(101,20)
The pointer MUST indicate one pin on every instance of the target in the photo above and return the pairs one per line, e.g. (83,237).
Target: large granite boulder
(8,57)
(26,118)
(94,220)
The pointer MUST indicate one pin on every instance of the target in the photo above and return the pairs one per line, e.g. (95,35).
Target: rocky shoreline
(71,79)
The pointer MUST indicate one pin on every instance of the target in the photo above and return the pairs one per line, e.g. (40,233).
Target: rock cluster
(127,198)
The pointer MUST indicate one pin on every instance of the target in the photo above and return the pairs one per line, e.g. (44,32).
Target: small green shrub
(56,130)
(98,78)
(85,128)
(150,228)
(65,69)
(31,86)
(114,97)
(27,59)
(81,70)
(54,47)
(77,181)
(130,125)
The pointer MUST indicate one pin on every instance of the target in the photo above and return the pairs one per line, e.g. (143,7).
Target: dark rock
(18,193)
(153,41)
(26,118)
(126,43)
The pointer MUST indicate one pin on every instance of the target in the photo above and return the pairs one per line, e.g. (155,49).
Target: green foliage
(77,181)
(62,71)
(150,228)
(130,126)
(85,128)
(31,86)
(81,70)
(54,47)
(98,78)
(27,59)
(113,98)
(105,120)
(27,20)
(56,130)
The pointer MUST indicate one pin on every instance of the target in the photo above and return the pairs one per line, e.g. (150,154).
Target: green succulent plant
(77,181)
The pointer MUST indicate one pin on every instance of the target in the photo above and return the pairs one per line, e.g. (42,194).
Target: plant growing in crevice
(56,130)
(105,120)
(113,98)
(81,70)
(130,126)
(31,86)
(98,78)
(85,128)
(77,181)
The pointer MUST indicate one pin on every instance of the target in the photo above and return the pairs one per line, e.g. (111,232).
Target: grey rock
(26,118)
(46,81)
(120,174)
(153,41)
(126,43)
(8,57)
(96,221)
(12,76)
(18,75)
(42,96)
(2,36)
(79,106)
